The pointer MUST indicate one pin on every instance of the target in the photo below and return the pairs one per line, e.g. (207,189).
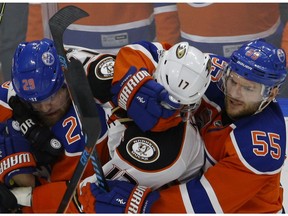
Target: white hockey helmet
(184,71)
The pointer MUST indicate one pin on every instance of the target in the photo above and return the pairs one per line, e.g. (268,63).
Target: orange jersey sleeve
(243,163)
(47,198)
(167,22)
(284,42)
(69,163)
(111,26)
(244,18)
(5,109)
(107,14)
(135,55)
(143,55)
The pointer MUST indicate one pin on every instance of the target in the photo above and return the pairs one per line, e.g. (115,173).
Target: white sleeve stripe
(5,105)
(209,157)
(145,51)
(186,199)
(165,9)
(69,154)
(113,28)
(212,196)
(231,39)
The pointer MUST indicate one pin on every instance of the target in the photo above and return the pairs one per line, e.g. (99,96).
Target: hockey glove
(143,97)
(15,154)
(46,147)
(123,197)
(8,202)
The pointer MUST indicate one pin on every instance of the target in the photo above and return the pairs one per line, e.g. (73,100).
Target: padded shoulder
(260,140)
(100,75)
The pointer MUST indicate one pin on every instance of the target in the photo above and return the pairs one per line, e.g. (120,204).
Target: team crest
(55,144)
(181,50)
(48,59)
(203,118)
(15,125)
(143,150)
(281,55)
(104,70)
(218,123)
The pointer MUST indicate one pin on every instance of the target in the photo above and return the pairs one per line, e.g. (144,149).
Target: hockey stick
(83,102)
(2,11)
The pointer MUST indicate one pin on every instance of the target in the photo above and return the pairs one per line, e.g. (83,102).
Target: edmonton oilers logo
(55,144)
(47,58)
(16,125)
(281,55)
(143,150)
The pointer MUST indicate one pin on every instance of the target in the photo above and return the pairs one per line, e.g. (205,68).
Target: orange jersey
(220,27)
(284,42)
(110,26)
(6,111)
(167,22)
(149,56)
(129,56)
(68,131)
(243,162)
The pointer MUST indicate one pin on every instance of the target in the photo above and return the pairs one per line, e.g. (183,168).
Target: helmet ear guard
(184,71)
(36,70)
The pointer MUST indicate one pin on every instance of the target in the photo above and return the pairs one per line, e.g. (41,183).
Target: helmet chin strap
(262,105)
(267,100)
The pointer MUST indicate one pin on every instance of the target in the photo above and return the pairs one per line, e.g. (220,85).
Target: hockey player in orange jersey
(245,141)
(284,42)
(46,116)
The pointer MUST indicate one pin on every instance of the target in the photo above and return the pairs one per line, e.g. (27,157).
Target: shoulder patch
(151,150)
(105,68)
(143,149)
(261,142)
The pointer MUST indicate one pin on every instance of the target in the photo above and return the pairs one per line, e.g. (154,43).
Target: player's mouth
(234,103)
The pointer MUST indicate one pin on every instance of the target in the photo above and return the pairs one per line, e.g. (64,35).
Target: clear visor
(237,86)
(183,108)
(52,103)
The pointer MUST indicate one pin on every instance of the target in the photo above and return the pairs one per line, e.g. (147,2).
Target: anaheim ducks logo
(105,68)
(181,50)
(143,149)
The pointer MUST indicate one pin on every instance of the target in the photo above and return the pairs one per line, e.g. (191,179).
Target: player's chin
(232,107)
(51,118)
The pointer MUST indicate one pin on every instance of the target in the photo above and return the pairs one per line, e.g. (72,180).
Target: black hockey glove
(8,202)
(47,147)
